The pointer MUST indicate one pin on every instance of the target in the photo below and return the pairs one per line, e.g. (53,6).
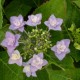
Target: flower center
(61,48)
(10,41)
(53,22)
(37,61)
(15,56)
(34,19)
(27,68)
(17,22)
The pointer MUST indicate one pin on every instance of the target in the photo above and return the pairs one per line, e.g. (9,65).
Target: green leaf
(33,3)
(2,35)
(77,2)
(9,72)
(15,8)
(2,1)
(67,62)
(55,7)
(41,75)
(75,53)
(69,74)
(73,14)
(3,31)
(1,17)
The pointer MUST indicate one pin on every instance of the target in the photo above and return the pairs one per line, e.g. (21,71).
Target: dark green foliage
(1,16)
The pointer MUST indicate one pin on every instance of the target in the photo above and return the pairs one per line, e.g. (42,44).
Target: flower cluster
(34,44)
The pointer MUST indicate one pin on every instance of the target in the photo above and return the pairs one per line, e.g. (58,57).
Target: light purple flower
(37,61)
(34,64)
(15,58)
(29,70)
(17,23)
(54,23)
(61,48)
(10,42)
(34,20)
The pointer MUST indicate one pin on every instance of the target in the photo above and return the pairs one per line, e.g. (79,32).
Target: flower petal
(40,55)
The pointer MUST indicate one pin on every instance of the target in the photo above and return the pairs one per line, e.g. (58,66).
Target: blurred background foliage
(69,10)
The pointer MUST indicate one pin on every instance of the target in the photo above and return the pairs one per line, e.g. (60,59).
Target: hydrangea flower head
(34,20)
(15,58)
(54,23)
(61,48)
(17,23)
(10,41)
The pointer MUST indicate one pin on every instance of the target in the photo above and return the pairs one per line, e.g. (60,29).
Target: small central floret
(34,19)
(15,56)
(37,61)
(10,41)
(61,47)
(17,22)
(53,22)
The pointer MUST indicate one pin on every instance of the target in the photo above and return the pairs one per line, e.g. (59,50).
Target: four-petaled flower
(54,23)
(10,42)
(17,23)
(34,20)
(61,48)
(15,58)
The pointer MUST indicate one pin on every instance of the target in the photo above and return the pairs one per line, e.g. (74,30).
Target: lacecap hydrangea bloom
(61,48)
(17,23)
(34,64)
(10,41)
(15,57)
(34,20)
(54,23)
(34,43)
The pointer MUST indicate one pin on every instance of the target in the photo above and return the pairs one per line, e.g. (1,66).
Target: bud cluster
(36,41)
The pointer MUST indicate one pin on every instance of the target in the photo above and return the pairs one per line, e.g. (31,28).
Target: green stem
(68,34)
(25,32)
(21,42)
(36,27)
